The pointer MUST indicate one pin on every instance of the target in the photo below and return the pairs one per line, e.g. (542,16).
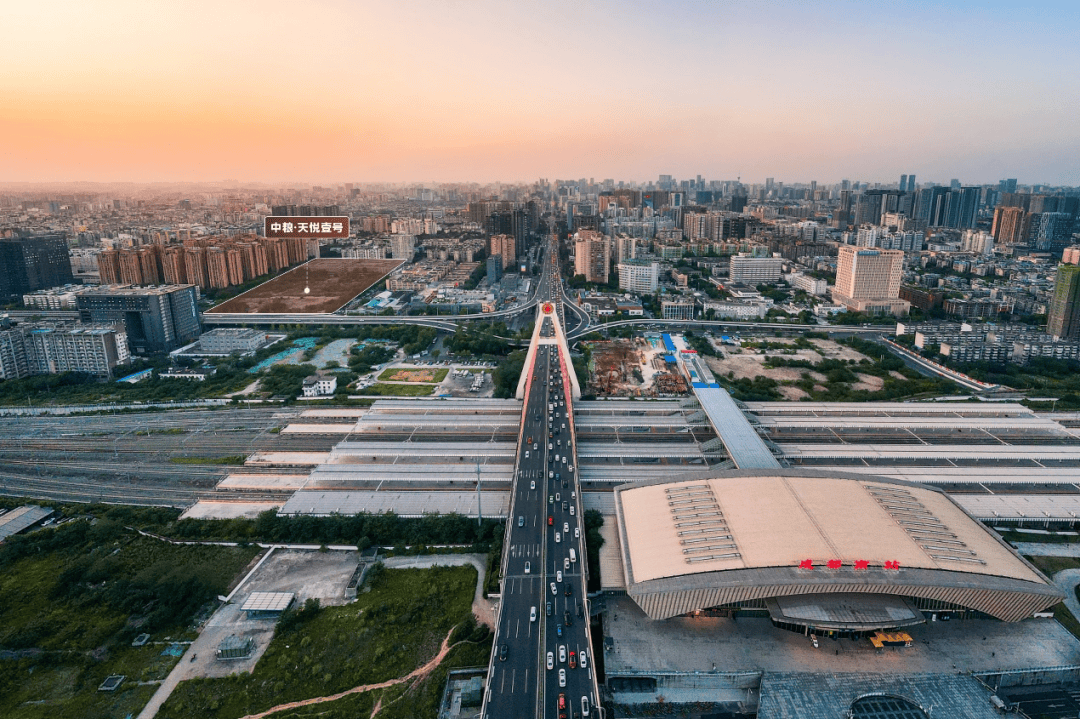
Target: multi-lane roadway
(542,664)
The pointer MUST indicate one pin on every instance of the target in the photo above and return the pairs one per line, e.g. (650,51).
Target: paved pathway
(1047,549)
(1066,580)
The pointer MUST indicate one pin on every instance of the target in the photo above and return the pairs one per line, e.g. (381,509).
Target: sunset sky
(459,90)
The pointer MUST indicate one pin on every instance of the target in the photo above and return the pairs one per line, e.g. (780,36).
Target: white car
(582,656)
(562,677)
(562,653)
(558,537)
(571,510)
(532,484)
(554,589)
(532,614)
(528,567)
(566,563)
(558,576)
(577,532)
(566,527)
(551,660)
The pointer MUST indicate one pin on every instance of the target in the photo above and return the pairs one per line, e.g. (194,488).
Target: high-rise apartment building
(1008,226)
(403,247)
(639,275)
(35,349)
(1063,318)
(33,263)
(592,256)
(868,280)
(157,319)
(505,246)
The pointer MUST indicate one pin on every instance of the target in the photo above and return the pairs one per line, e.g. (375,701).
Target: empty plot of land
(332,283)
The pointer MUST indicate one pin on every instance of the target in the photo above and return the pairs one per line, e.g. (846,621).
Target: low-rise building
(54,298)
(226,340)
(677,309)
(728,310)
(320,385)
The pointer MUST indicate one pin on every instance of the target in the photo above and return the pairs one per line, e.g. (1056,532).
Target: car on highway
(565,527)
(532,484)
(562,677)
(584,659)
(562,702)
(558,629)
(551,520)
(558,576)
(558,537)
(572,514)
(562,653)
(550,660)
(502,653)
(528,567)
(584,706)
(566,562)
(549,609)
(521,521)
(569,589)
(532,615)
(554,589)
(577,532)
(573,661)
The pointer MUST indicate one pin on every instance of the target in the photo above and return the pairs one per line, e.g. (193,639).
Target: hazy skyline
(483,91)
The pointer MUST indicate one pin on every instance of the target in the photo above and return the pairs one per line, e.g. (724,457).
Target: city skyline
(491,91)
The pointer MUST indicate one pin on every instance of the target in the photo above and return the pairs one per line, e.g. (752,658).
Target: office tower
(903,183)
(1007,185)
(1054,231)
(868,280)
(592,256)
(1063,320)
(910,183)
(158,319)
(954,184)
(494,268)
(755,270)
(33,263)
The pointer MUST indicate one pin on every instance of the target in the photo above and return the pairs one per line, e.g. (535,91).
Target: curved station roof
(828,549)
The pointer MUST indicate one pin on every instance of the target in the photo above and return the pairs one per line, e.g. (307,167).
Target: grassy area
(397,374)
(398,390)
(233,459)
(386,633)
(1052,565)
(73,597)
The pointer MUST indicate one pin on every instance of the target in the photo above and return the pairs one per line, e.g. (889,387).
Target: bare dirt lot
(333,282)
(749,362)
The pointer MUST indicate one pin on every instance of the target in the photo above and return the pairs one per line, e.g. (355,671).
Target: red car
(562,701)
(573,660)
(551,521)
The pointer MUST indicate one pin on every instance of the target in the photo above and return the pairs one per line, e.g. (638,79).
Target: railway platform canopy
(818,550)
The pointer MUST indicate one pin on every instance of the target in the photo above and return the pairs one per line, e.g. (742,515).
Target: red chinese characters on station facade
(859,565)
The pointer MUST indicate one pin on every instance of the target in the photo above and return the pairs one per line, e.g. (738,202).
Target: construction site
(636,367)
